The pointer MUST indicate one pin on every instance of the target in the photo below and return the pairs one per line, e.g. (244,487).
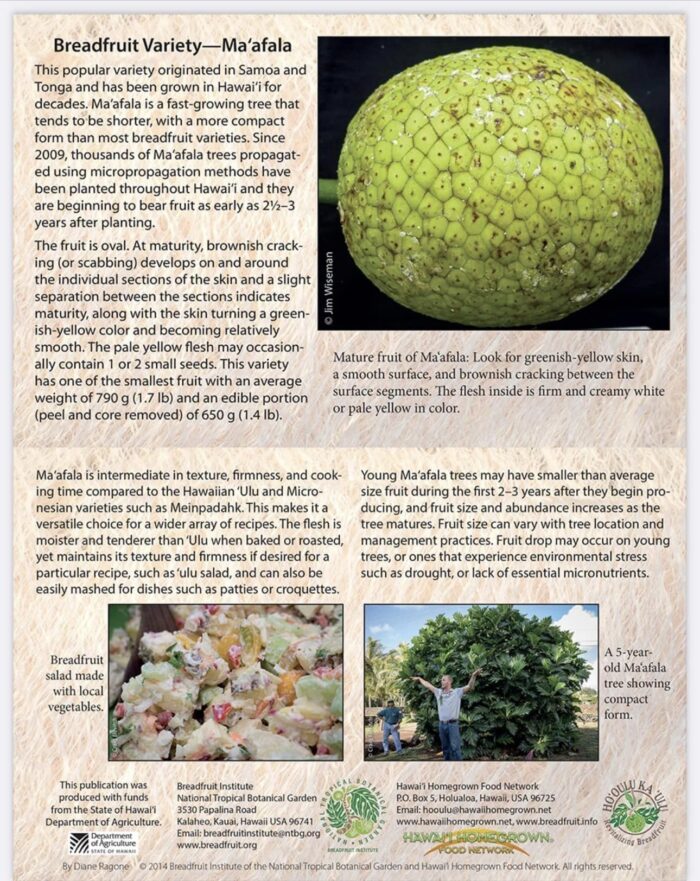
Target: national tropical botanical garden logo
(352,812)
(634,812)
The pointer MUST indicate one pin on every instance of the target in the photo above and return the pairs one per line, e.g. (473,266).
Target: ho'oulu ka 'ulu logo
(352,812)
(634,812)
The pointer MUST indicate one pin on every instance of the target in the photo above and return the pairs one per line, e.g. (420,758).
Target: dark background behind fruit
(351,68)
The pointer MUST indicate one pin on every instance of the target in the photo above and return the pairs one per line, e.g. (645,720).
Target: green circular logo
(352,812)
(634,811)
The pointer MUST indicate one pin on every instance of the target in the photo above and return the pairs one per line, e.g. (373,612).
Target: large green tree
(527,696)
(382,672)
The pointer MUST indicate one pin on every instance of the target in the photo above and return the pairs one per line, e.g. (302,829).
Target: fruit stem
(328,191)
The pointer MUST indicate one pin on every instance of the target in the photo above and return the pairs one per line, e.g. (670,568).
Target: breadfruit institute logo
(634,812)
(352,812)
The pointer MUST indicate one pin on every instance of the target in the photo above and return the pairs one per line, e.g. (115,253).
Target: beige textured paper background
(50,748)
(560,422)
(632,614)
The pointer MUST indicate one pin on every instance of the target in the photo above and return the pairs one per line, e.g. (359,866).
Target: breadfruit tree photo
(526,701)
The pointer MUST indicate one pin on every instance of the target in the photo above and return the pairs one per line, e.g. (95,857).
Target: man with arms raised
(449,701)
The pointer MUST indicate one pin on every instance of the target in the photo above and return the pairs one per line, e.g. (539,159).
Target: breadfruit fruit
(498,187)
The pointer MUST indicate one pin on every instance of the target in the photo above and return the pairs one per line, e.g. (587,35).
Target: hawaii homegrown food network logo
(478,840)
(352,812)
(634,812)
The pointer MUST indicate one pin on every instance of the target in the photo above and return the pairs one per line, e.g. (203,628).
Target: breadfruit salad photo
(504,186)
(227,682)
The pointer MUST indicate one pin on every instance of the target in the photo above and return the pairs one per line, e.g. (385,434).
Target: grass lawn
(587,751)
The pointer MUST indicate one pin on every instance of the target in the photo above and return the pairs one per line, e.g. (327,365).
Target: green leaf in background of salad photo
(118,616)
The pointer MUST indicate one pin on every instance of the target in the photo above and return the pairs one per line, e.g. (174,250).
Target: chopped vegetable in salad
(235,683)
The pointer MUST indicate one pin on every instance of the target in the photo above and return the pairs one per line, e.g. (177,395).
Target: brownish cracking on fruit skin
(498,187)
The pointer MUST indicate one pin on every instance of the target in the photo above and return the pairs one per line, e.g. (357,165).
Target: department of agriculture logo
(352,812)
(79,842)
(102,842)
(634,812)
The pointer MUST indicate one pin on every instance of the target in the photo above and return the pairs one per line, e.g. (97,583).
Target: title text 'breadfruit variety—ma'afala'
(498,187)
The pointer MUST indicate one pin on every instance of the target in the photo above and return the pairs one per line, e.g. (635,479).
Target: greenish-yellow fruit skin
(498,187)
